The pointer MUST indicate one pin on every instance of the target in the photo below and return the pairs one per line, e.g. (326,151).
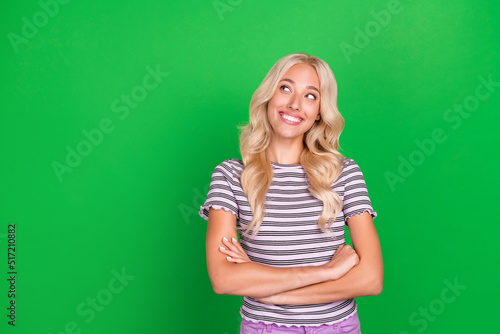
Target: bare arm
(253,279)
(365,279)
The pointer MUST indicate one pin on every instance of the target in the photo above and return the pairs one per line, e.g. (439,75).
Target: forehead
(302,74)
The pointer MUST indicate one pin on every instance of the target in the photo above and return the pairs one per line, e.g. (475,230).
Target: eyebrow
(293,82)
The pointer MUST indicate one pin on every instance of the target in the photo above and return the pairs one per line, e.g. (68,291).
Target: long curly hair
(320,158)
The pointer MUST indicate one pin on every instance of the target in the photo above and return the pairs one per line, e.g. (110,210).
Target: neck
(285,152)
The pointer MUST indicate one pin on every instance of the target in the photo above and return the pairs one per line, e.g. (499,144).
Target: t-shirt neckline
(277,165)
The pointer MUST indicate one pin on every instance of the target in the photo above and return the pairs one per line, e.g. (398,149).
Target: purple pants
(347,326)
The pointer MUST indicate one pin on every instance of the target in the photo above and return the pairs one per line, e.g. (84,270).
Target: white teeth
(290,118)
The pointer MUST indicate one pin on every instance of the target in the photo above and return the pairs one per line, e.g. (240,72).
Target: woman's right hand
(344,259)
(235,252)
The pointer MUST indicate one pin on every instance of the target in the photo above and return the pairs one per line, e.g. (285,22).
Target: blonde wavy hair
(320,158)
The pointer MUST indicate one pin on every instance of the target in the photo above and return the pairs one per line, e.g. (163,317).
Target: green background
(131,203)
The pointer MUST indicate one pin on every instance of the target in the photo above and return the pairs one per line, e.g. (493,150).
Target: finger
(234,250)
(338,252)
(231,253)
(264,300)
(228,244)
(237,245)
(236,260)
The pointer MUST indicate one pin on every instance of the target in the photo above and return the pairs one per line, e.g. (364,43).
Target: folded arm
(364,279)
(257,280)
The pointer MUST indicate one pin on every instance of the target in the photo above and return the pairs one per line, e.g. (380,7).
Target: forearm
(256,280)
(362,280)
(250,278)
(365,279)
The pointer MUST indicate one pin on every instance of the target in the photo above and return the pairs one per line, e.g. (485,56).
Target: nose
(294,102)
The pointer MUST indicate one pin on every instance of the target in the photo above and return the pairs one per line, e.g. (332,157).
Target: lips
(288,119)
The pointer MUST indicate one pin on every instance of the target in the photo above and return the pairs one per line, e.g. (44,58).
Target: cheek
(313,113)
(270,114)
(316,111)
(272,107)
(279,98)
(271,103)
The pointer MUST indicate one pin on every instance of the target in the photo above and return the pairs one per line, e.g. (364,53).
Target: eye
(311,96)
(285,88)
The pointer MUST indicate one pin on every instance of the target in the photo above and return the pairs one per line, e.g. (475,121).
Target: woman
(288,199)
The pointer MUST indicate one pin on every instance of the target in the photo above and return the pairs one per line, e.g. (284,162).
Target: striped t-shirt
(289,235)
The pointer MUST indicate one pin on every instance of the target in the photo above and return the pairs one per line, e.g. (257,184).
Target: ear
(318,117)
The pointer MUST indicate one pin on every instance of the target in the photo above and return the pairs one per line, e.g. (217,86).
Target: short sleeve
(221,192)
(356,199)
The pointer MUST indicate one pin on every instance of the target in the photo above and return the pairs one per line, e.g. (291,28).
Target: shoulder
(349,165)
(230,168)
(230,165)
(350,170)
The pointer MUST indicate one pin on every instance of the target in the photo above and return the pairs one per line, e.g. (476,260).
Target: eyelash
(284,86)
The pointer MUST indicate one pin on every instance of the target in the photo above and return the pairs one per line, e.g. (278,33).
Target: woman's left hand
(236,254)
(234,251)
(271,300)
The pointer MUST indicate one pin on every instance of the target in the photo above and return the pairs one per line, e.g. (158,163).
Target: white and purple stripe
(289,235)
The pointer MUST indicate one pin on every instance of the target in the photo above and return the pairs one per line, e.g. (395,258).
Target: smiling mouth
(290,118)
